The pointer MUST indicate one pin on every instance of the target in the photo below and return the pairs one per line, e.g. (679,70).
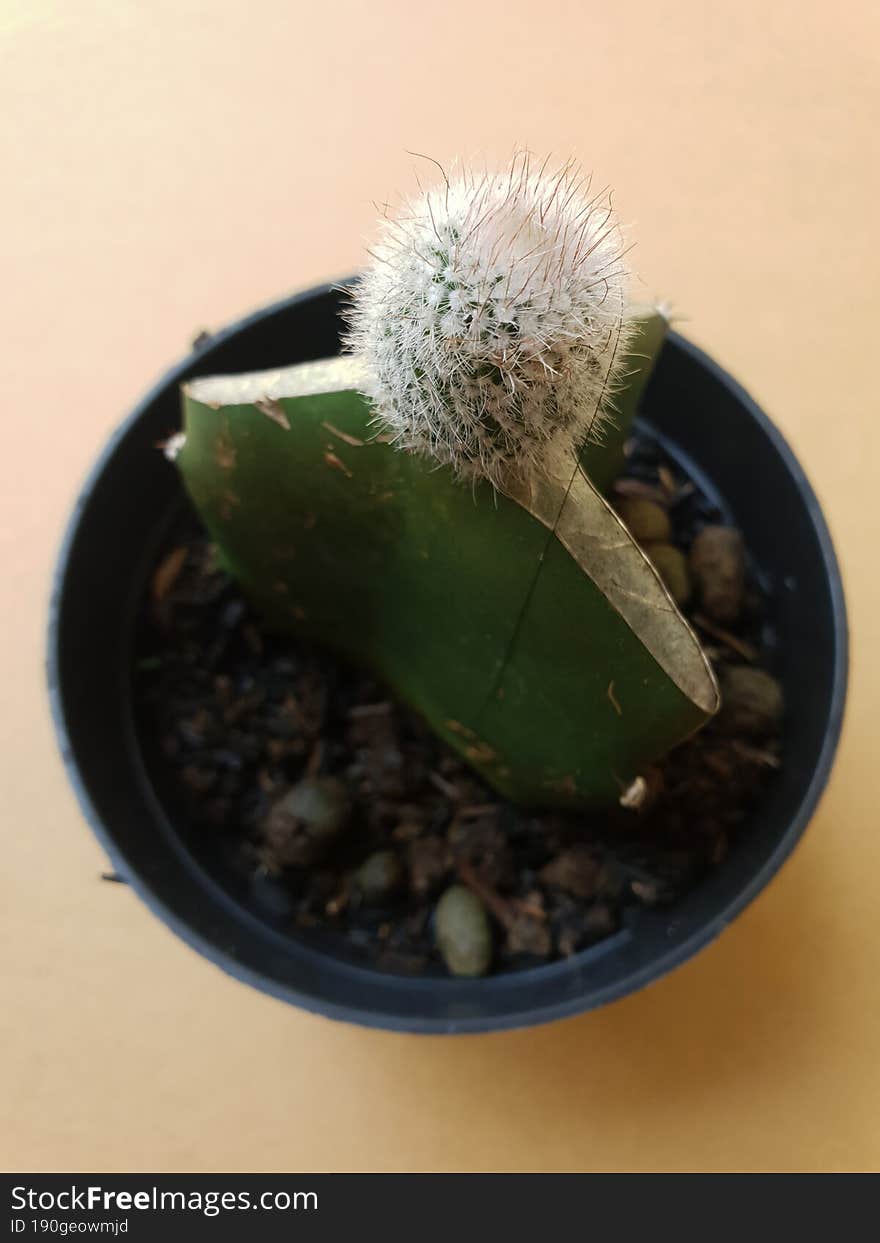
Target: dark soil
(235,718)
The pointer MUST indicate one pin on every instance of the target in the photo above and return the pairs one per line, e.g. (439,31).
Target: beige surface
(168,165)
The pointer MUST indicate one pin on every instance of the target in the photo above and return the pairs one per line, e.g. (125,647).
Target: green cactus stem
(523,623)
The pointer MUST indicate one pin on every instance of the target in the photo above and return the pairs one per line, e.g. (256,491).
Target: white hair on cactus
(494,319)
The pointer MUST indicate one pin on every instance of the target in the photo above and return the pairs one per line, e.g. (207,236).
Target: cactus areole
(430,503)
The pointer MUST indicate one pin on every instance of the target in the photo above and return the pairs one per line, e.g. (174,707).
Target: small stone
(751,702)
(653,890)
(576,871)
(463,932)
(305,820)
(670,564)
(429,859)
(529,935)
(379,876)
(718,565)
(650,890)
(595,924)
(648,522)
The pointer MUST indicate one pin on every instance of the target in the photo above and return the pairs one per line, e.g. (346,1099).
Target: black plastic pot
(720,437)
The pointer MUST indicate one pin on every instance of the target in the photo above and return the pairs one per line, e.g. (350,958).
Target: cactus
(428,504)
(495,321)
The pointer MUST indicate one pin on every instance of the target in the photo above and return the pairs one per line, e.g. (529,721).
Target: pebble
(529,935)
(670,564)
(463,933)
(752,701)
(576,871)
(718,566)
(306,819)
(648,522)
(650,890)
(379,876)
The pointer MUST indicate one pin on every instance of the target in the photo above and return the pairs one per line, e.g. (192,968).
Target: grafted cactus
(428,505)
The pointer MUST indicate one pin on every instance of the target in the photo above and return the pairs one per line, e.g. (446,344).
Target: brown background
(168,165)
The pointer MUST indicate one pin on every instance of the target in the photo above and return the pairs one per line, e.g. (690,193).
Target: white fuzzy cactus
(494,319)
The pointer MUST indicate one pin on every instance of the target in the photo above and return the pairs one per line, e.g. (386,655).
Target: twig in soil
(766,758)
(492,900)
(505,910)
(532,909)
(646,491)
(362,710)
(724,636)
(167,573)
(445,787)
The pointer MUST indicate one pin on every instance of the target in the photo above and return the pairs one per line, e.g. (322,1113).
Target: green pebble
(648,522)
(463,932)
(379,876)
(319,806)
(751,702)
(671,565)
(718,566)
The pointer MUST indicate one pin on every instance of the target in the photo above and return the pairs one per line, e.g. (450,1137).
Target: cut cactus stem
(603,458)
(524,624)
